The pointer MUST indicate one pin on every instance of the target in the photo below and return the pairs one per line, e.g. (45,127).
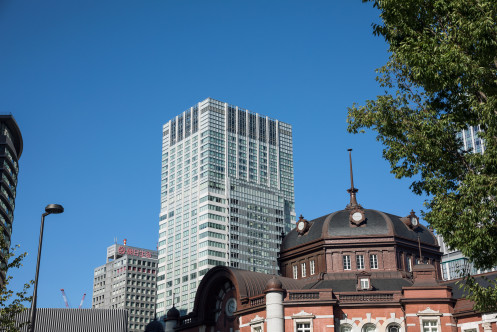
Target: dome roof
(337,225)
(172,313)
(273,284)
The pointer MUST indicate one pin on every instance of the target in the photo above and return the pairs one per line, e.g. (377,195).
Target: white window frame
(429,315)
(373,261)
(295,271)
(303,270)
(375,327)
(312,266)
(346,262)
(360,266)
(303,318)
(366,283)
(393,324)
(257,322)
(304,329)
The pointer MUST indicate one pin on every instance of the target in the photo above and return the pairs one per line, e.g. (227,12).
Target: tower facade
(10,152)
(471,140)
(227,196)
(128,281)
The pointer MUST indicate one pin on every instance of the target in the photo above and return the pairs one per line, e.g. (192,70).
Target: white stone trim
(429,312)
(303,317)
(325,316)
(468,326)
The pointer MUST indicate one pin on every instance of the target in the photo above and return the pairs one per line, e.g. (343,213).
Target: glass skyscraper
(227,196)
(471,140)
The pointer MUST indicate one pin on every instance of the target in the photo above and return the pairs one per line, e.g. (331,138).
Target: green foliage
(441,77)
(11,305)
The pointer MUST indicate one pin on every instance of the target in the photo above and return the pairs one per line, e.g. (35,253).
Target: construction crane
(67,303)
(65,297)
(81,304)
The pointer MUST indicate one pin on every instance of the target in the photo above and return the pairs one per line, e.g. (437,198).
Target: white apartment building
(227,196)
(128,280)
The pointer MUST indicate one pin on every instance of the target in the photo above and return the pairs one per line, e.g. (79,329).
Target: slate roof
(482,280)
(337,225)
(350,285)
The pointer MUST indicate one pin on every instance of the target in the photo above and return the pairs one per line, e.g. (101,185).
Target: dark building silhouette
(10,152)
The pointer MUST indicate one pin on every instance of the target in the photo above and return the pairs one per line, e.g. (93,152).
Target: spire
(352,191)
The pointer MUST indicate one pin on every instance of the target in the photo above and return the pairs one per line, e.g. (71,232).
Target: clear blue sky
(91,83)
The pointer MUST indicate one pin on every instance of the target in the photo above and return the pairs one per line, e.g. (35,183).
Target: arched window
(345,328)
(393,328)
(369,328)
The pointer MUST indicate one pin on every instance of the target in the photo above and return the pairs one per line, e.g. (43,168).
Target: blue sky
(91,83)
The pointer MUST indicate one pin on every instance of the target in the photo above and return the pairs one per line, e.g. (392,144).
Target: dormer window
(364,281)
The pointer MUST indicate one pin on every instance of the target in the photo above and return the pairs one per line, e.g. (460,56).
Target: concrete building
(455,265)
(226,196)
(10,152)
(128,281)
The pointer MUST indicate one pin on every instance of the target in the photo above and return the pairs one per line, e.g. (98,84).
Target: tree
(441,77)
(11,305)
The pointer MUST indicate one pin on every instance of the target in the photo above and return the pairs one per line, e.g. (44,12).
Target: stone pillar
(275,317)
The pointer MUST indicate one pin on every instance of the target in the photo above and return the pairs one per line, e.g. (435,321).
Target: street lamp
(50,209)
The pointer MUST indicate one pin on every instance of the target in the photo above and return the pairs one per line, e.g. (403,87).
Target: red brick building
(354,270)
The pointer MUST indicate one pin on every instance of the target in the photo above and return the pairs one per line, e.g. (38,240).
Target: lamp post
(50,209)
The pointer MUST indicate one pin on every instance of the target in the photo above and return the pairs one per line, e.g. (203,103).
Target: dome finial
(352,191)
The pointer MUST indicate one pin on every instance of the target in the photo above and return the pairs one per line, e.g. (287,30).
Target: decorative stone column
(172,318)
(275,317)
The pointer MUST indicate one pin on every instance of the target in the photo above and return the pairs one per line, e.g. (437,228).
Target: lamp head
(54,209)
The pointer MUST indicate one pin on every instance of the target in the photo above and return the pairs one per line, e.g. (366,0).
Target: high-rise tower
(10,152)
(226,196)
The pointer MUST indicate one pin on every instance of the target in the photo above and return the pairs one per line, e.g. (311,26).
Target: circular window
(345,328)
(369,328)
(393,328)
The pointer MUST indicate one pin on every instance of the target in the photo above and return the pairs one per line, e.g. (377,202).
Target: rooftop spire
(352,191)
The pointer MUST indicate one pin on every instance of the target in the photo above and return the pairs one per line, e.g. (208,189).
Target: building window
(360,262)
(373,261)
(295,272)
(345,328)
(313,267)
(302,266)
(430,325)
(393,328)
(364,283)
(346,262)
(303,327)
(257,328)
(369,328)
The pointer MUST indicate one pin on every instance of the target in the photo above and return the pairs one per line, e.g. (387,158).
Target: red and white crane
(65,297)
(67,303)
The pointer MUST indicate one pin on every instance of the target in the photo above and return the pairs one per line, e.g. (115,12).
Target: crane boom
(65,297)
(81,304)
